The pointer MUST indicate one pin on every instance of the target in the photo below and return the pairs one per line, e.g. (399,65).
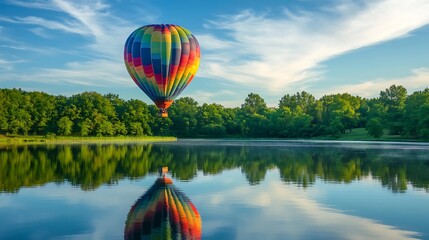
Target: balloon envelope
(162,59)
(163,212)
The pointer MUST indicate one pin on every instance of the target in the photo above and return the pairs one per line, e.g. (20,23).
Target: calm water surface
(232,189)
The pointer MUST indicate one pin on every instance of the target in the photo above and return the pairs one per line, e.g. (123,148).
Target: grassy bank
(361,134)
(357,134)
(20,139)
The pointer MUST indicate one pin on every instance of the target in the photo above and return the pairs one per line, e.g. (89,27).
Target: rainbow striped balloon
(162,59)
(163,212)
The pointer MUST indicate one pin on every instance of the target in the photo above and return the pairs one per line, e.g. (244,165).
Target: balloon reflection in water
(163,212)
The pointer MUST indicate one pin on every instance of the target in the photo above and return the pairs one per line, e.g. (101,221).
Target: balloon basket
(163,113)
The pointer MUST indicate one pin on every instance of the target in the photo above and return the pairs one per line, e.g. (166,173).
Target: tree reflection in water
(90,166)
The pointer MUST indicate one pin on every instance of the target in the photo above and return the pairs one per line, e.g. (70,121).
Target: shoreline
(27,140)
(23,140)
(293,143)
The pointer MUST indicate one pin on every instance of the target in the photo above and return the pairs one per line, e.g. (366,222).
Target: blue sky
(269,47)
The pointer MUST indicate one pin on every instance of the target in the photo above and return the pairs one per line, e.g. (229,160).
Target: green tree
(160,126)
(340,112)
(65,126)
(375,109)
(423,124)
(4,121)
(303,101)
(92,114)
(253,116)
(303,112)
(85,127)
(254,104)
(136,129)
(183,114)
(336,127)
(374,127)
(281,122)
(210,120)
(137,117)
(413,114)
(394,99)
(210,114)
(213,129)
(232,126)
(301,123)
(16,111)
(43,112)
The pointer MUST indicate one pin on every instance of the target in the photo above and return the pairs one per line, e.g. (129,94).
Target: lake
(216,189)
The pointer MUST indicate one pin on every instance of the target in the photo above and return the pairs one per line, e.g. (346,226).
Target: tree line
(300,115)
(90,166)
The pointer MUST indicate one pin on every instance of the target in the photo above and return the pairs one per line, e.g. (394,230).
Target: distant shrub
(375,128)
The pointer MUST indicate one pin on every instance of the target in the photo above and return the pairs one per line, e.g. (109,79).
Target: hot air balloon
(163,212)
(162,59)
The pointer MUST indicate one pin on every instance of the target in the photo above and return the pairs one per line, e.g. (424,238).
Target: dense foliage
(297,116)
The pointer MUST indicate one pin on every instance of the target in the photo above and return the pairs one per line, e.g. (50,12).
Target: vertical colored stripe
(165,57)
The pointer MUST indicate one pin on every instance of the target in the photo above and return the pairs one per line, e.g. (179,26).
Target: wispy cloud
(67,26)
(417,80)
(33,4)
(41,32)
(92,21)
(274,52)
(88,15)
(8,64)
(276,199)
(206,96)
(22,48)
(92,73)
(86,18)
(103,224)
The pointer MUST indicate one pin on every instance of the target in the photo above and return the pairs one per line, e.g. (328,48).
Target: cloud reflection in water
(274,210)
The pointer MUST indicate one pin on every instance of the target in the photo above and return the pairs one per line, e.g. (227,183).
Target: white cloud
(87,14)
(418,80)
(212,43)
(7,19)
(91,20)
(67,26)
(86,18)
(206,97)
(41,32)
(35,4)
(20,46)
(92,73)
(282,210)
(103,224)
(273,53)
(8,64)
